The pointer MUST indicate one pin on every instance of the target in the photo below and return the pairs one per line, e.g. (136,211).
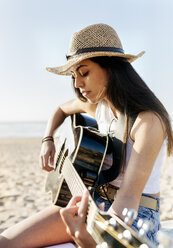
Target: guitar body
(86,149)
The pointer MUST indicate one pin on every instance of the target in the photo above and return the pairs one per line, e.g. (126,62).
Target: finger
(74,200)
(52,159)
(45,161)
(42,164)
(68,213)
(84,204)
(45,165)
(48,168)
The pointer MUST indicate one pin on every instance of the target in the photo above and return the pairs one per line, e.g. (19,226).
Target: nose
(79,83)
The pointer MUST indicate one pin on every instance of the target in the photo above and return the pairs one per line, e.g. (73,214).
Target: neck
(114,110)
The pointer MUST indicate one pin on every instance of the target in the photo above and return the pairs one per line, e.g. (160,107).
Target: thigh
(153,219)
(42,229)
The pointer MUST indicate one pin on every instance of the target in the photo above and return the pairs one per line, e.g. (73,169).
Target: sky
(35,34)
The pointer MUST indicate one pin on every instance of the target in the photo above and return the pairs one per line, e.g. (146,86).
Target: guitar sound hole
(62,161)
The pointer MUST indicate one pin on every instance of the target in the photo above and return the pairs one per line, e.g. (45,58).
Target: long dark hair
(129,93)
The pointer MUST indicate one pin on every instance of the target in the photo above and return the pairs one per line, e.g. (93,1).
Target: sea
(22,129)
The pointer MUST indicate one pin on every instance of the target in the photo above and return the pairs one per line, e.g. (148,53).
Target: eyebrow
(79,67)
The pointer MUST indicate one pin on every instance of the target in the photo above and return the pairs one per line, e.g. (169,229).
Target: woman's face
(91,80)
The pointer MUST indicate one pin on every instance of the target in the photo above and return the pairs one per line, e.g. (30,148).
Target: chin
(90,100)
(93,101)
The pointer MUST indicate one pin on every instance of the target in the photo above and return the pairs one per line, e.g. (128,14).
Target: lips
(85,92)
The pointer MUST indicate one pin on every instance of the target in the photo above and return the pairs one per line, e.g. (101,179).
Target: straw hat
(93,41)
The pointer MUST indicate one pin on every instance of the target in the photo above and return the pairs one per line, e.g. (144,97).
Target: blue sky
(36,33)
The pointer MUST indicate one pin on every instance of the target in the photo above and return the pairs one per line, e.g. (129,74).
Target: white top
(104,117)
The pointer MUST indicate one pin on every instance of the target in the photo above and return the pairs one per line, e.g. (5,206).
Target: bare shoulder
(150,118)
(77,106)
(148,122)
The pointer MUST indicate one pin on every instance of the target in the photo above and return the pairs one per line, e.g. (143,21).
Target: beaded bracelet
(48,138)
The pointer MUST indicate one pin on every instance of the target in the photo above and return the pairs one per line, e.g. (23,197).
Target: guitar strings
(77,187)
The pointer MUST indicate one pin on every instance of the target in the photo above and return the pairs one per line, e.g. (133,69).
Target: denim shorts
(146,214)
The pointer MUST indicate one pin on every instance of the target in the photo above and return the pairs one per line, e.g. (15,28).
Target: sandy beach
(22,182)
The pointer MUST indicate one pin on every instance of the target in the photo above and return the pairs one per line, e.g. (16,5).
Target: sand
(22,183)
(21,180)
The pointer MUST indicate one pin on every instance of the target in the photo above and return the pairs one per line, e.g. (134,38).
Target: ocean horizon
(22,129)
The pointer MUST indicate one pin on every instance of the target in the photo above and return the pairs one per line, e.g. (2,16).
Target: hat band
(95,49)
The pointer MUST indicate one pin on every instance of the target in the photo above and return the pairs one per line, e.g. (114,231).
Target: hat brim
(65,69)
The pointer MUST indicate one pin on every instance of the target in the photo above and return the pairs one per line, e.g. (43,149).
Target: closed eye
(85,74)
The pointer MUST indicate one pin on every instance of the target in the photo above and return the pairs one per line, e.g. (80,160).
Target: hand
(74,216)
(47,155)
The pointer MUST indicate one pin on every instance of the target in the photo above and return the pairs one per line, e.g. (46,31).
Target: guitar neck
(77,187)
(75,183)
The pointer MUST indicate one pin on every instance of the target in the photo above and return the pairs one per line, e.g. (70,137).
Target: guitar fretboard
(72,178)
(77,187)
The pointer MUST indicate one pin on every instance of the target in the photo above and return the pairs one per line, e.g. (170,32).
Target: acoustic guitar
(77,166)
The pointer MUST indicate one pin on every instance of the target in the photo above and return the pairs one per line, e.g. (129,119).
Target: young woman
(108,89)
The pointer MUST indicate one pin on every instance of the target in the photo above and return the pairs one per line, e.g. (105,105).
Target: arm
(148,134)
(48,148)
